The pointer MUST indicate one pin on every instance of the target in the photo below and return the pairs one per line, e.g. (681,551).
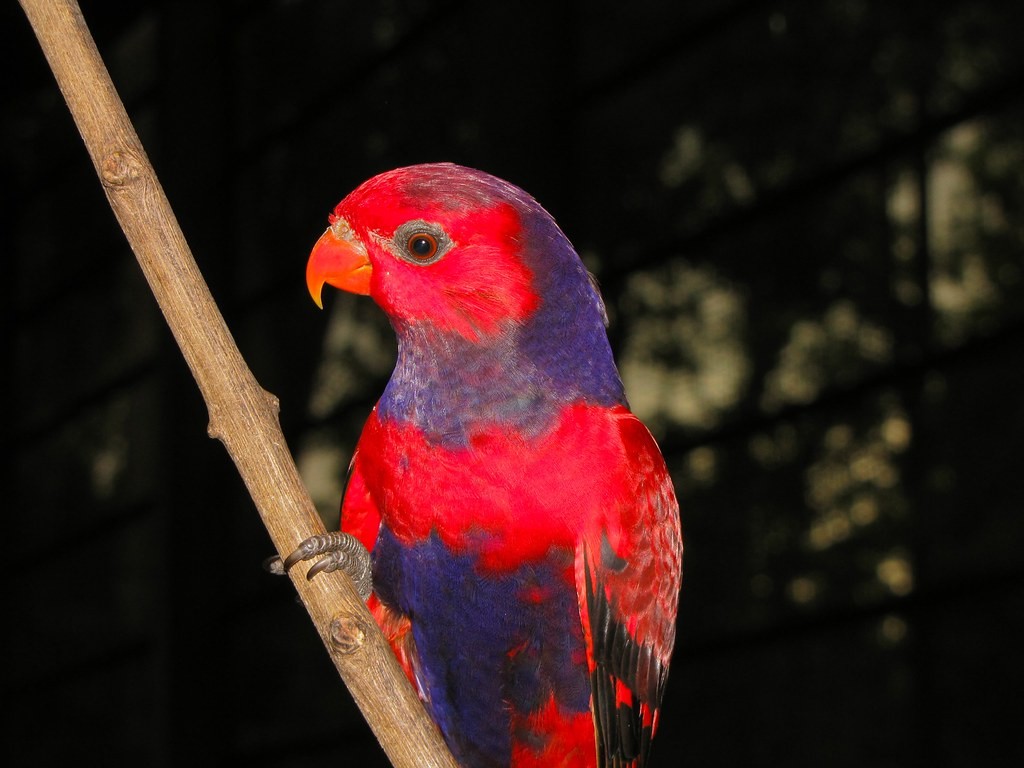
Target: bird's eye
(421,242)
(422,246)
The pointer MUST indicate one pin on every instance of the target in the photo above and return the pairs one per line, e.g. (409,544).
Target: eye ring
(422,246)
(420,242)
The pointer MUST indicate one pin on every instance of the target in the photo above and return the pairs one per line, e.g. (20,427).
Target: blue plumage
(459,660)
(523,526)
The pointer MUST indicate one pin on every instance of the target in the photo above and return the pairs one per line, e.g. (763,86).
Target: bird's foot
(337,552)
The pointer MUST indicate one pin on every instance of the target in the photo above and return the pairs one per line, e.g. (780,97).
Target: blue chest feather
(487,644)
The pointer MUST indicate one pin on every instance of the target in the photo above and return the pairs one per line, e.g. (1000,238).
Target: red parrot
(522,525)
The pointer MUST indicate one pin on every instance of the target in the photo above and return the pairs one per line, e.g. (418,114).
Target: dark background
(807,219)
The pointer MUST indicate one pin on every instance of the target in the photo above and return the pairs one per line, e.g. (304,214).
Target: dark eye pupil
(421,246)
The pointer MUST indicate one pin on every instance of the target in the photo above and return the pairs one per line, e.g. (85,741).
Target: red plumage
(523,525)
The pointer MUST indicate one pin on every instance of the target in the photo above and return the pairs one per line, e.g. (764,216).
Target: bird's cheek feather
(473,292)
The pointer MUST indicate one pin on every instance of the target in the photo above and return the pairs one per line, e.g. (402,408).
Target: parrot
(523,529)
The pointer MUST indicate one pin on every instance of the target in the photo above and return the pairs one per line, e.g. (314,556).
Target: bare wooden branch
(242,415)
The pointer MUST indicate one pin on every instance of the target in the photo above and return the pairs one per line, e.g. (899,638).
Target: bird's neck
(451,387)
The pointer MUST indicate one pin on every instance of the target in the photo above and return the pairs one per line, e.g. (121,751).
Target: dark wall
(808,223)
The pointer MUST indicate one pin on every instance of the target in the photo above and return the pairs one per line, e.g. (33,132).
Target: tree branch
(243,416)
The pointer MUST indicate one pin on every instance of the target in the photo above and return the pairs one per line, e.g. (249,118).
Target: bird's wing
(628,578)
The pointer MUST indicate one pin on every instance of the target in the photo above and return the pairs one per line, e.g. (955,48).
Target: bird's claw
(341,552)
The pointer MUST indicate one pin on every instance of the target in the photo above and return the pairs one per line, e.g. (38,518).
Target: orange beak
(338,261)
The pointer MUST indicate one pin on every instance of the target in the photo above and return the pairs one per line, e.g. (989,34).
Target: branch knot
(121,167)
(347,633)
